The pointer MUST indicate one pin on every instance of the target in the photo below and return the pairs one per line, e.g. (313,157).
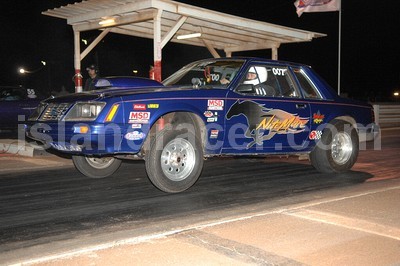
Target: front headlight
(84,111)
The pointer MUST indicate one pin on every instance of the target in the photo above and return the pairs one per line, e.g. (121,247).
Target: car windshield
(210,73)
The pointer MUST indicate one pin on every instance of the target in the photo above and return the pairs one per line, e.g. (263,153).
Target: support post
(211,49)
(77,62)
(274,53)
(94,43)
(157,45)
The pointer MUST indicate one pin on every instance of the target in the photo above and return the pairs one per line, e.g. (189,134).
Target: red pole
(157,70)
(151,72)
(78,80)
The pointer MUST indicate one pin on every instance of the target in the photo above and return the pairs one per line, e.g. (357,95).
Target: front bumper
(99,140)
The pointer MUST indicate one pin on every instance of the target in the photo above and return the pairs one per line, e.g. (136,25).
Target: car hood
(114,92)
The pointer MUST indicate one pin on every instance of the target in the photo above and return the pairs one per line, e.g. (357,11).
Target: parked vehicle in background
(213,107)
(16,104)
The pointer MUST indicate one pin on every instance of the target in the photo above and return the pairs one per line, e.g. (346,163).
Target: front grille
(35,114)
(55,111)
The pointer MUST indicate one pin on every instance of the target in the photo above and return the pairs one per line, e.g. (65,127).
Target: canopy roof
(218,30)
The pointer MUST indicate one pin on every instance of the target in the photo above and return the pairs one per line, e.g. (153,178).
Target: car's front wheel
(96,167)
(174,160)
(337,151)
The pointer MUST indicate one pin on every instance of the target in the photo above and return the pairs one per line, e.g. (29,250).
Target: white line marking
(347,222)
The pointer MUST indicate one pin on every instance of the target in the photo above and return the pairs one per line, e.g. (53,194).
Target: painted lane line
(347,222)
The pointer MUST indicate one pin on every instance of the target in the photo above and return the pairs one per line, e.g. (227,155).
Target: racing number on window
(279,71)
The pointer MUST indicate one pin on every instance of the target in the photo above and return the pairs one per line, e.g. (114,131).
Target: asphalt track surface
(52,205)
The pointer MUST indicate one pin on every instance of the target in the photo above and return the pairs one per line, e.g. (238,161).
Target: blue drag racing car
(213,107)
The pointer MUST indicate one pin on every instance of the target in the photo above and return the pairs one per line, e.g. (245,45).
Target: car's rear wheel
(337,151)
(174,160)
(96,167)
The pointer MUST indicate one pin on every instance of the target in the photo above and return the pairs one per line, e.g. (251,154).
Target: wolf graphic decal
(264,123)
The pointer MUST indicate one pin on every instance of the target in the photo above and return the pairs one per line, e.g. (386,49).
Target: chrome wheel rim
(341,148)
(100,162)
(177,159)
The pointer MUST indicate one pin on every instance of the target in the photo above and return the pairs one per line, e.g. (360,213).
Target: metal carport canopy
(165,20)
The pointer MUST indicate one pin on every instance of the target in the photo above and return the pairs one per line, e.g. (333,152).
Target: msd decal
(139,106)
(265,123)
(139,117)
(215,105)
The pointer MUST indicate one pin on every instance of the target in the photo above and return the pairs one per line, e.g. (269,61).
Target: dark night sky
(370,47)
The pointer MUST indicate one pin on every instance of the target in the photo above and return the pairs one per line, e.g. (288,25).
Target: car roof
(256,60)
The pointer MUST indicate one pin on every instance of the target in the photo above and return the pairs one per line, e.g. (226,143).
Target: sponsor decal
(315,135)
(208,114)
(214,133)
(264,123)
(139,117)
(139,106)
(215,105)
(136,125)
(211,116)
(318,118)
(135,135)
(153,105)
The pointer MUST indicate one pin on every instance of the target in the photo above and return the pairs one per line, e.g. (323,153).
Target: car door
(266,113)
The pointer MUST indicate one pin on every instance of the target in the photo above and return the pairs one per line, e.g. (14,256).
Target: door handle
(301,106)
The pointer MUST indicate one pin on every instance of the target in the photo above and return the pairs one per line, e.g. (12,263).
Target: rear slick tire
(337,150)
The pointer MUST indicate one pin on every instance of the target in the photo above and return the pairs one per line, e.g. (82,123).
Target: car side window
(307,87)
(268,81)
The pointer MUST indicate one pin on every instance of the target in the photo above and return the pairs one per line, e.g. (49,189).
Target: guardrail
(387,114)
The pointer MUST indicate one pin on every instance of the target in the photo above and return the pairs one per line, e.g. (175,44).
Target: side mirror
(245,88)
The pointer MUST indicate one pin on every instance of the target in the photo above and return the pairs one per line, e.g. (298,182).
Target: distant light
(188,36)
(396,94)
(21,70)
(84,41)
(43,62)
(135,71)
(107,22)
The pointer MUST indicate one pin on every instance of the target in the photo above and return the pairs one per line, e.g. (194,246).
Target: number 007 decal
(279,71)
